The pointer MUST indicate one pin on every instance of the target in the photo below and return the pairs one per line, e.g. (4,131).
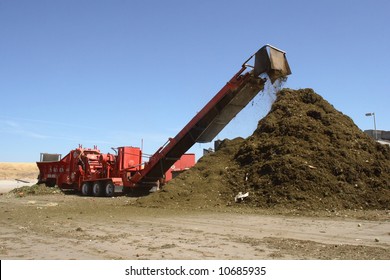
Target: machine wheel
(97,189)
(51,183)
(110,189)
(86,189)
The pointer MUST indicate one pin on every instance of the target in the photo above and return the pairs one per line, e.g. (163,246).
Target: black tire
(109,189)
(51,183)
(86,189)
(97,189)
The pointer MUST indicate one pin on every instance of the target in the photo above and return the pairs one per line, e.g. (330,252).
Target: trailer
(91,172)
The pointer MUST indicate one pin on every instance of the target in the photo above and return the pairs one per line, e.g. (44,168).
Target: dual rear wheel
(99,188)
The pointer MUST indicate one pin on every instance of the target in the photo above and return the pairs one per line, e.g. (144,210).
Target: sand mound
(303,155)
(18,170)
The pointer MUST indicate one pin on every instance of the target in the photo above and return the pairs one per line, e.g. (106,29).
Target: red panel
(131,158)
(58,171)
(185,162)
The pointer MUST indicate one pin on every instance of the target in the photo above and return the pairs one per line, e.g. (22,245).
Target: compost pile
(35,190)
(303,155)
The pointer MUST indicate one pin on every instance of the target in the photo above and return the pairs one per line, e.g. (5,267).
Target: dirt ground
(318,189)
(59,226)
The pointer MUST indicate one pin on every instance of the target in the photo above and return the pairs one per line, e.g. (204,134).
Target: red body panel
(184,163)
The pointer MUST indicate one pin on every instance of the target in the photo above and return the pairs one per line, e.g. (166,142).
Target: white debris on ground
(240,197)
(9,185)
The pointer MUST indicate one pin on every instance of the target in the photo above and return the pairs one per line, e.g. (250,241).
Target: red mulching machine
(93,173)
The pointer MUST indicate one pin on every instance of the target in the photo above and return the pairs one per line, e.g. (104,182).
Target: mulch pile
(40,189)
(303,155)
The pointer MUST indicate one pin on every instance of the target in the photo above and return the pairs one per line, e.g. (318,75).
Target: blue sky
(112,73)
